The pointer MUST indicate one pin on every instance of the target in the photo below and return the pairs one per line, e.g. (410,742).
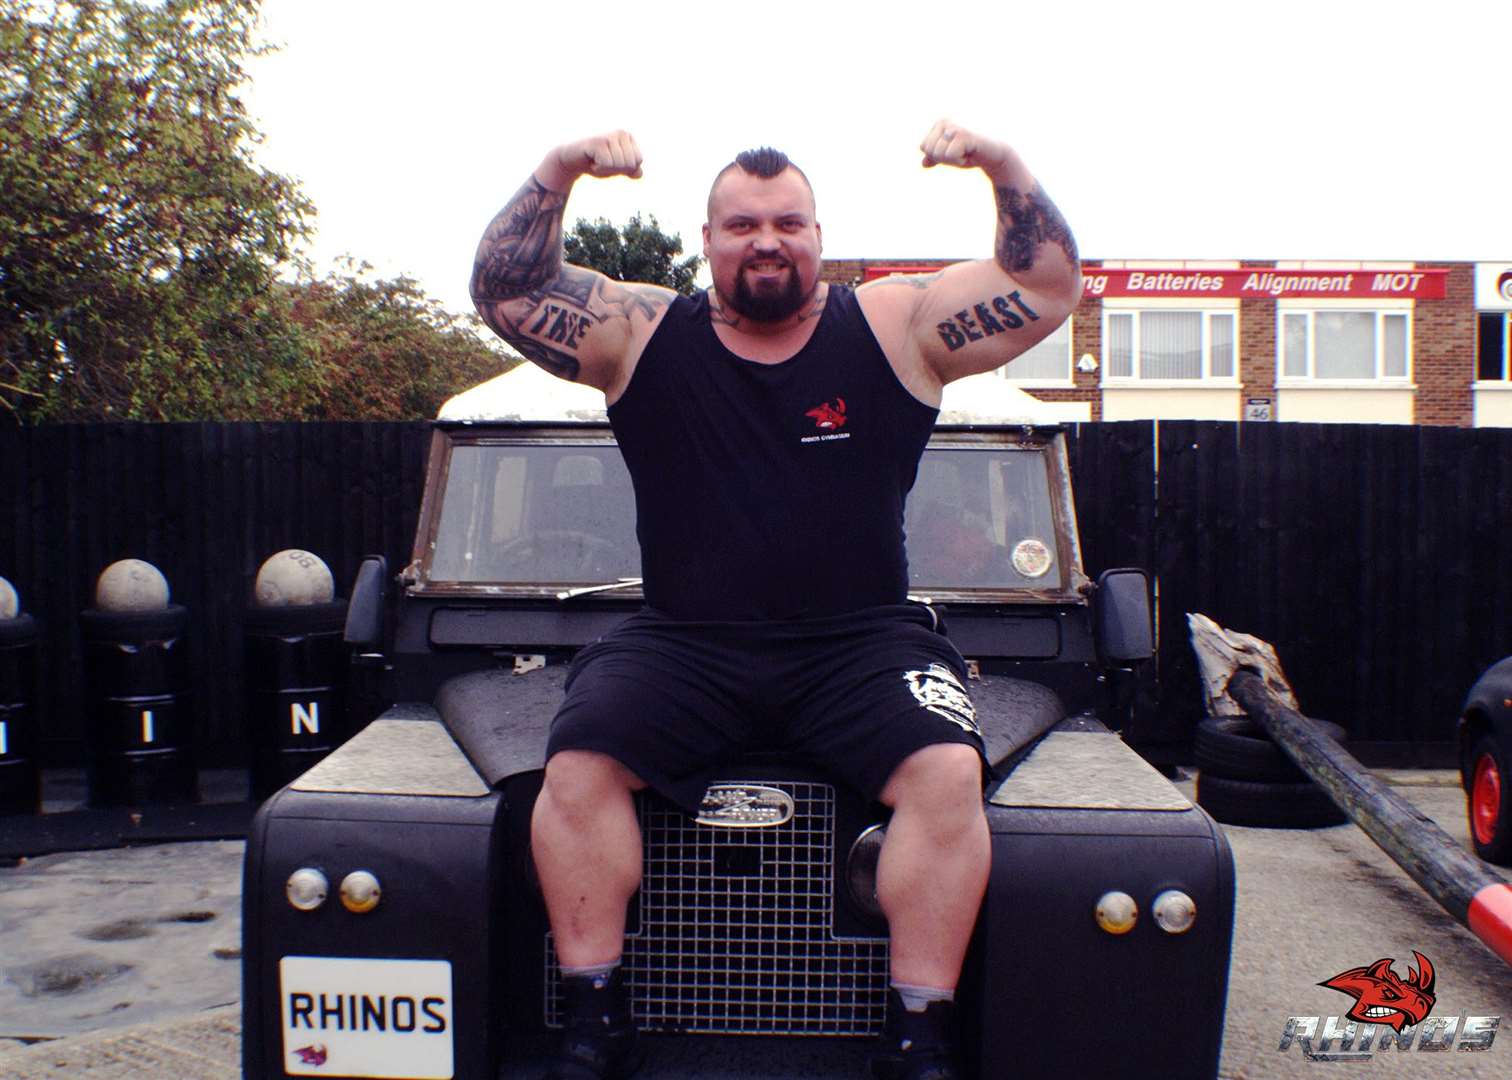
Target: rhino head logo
(827,416)
(311,1055)
(1382,998)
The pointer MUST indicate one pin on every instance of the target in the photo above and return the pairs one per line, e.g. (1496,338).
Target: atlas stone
(131,585)
(293,578)
(10,603)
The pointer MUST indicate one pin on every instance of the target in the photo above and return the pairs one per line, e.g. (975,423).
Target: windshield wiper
(622,583)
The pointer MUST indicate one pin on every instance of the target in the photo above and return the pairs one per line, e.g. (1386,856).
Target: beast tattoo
(996,315)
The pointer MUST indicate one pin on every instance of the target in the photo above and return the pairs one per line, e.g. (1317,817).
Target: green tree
(383,349)
(638,252)
(140,244)
(138,239)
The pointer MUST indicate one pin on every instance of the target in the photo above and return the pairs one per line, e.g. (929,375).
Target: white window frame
(1068,381)
(1208,379)
(1310,378)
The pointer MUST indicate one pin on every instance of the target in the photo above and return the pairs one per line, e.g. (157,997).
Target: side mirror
(1124,627)
(364,621)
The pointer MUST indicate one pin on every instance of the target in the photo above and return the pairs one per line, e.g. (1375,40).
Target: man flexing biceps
(576,323)
(781,621)
(975,316)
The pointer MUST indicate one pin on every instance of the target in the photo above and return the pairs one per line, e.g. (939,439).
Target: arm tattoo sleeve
(1024,222)
(521,249)
(534,301)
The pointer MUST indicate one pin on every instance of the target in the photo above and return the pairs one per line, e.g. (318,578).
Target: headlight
(1174,911)
(1032,558)
(360,892)
(306,888)
(861,870)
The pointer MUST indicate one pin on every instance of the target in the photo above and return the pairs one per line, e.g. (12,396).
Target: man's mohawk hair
(763,161)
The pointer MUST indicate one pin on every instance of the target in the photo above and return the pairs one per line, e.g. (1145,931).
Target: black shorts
(855,693)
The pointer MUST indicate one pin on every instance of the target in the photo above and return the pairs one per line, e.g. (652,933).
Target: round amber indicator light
(360,892)
(1117,912)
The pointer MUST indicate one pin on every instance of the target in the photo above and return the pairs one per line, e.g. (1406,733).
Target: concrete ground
(1313,904)
(124,963)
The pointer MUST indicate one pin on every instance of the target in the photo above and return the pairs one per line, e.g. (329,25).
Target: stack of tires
(1246,779)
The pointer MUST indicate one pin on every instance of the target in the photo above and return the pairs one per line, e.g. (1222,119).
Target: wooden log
(1461,883)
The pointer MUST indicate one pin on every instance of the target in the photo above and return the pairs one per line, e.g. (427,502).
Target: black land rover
(393,925)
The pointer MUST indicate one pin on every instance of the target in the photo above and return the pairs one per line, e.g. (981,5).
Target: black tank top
(770,491)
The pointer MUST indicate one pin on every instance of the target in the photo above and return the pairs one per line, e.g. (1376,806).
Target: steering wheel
(554,554)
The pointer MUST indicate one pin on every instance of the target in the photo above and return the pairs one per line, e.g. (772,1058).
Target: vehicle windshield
(981,518)
(536,515)
(555,514)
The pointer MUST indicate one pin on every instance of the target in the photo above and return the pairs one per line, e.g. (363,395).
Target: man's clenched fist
(950,144)
(614,154)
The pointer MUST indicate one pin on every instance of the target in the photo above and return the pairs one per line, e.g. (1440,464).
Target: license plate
(378,1018)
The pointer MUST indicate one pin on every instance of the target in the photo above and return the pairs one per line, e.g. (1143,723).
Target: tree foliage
(384,349)
(639,252)
(140,243)
(136,235)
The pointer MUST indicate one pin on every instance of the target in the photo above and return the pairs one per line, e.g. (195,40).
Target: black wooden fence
(1377,559)
(205,503)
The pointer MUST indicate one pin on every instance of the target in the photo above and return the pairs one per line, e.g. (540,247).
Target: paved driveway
(111,955)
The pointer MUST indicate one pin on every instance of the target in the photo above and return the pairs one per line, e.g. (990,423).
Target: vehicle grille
(735,929)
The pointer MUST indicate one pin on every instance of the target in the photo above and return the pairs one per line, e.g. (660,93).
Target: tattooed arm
(976,316)
(575,323)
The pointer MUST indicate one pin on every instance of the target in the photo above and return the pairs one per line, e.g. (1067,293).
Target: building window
(1165,346)
(1362,346)
(1047,363)
(1493,349)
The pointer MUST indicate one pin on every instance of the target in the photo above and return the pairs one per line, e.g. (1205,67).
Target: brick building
(1362,342)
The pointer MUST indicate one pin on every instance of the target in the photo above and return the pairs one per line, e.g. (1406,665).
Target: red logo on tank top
(829,417)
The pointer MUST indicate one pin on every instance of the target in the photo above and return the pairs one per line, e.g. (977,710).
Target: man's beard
(772,306)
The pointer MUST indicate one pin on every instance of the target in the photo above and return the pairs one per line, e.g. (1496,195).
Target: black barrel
(139,723)
(296,686)
(20,780)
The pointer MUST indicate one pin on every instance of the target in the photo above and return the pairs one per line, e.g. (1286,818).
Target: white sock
(919,998)
(592,971)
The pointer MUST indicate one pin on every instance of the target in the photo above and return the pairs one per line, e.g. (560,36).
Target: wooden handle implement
(1461,883)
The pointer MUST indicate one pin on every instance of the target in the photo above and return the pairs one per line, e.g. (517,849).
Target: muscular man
(772,426)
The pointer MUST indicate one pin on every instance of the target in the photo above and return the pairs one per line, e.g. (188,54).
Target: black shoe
(599,1042)
(916,1045)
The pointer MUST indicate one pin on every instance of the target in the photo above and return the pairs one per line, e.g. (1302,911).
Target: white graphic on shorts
(938,690)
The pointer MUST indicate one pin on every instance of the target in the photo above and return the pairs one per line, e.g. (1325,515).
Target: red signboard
(1267,284)
(1249,283)
(881,270)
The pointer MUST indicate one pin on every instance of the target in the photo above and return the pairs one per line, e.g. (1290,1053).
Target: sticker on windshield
(1032,558)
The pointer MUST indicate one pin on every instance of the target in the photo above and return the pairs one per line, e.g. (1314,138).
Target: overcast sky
(1162,129)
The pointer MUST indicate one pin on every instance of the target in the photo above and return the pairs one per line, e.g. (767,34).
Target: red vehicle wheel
(1489,794)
